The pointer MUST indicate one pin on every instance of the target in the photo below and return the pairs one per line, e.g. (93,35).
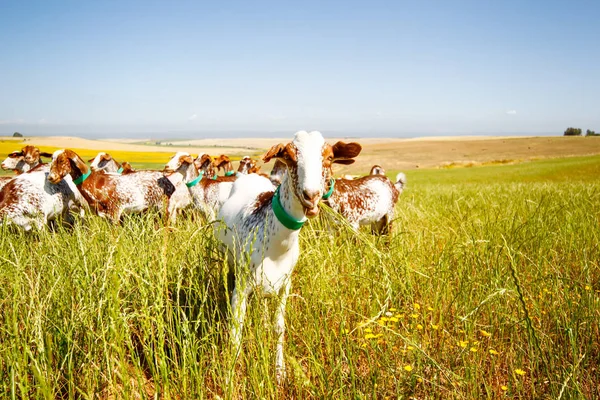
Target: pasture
(488,288)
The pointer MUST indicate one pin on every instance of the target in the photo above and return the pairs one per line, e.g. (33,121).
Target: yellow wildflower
(473,349)
(430,308)
(414,316)
(419,380)
(504,388)
(588,287)
(493,352)
(345,331)
(417,306)
(410,348)
(484,333)
(435,327)
(393,309)
(420,327)
(368,330)
(393,319)
(408,368)
(519,371)
(370,336)
(463,344)
(384,319)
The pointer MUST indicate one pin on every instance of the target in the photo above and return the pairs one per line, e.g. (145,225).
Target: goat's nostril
(309,195)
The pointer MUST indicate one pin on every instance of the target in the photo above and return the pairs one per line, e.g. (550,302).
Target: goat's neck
(190,173)
(289,201)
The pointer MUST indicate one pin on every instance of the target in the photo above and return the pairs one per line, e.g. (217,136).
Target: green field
(488,288)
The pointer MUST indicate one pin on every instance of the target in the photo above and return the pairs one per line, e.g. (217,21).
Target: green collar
(214,177)
(120,170)
(330,192)
(229,173)
(195,181)
(282,216)
(82,178)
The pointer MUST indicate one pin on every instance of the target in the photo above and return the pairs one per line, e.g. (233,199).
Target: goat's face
(377,170)
(15,162)
(101,161)
(65,162)
(205,164)
(247,165)
(178,163)
(223,162)
(31,155)
(308,160)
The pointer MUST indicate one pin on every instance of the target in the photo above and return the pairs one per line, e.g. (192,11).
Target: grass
(489,288)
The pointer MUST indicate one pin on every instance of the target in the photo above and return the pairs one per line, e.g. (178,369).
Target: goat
(248,166)
(207,194)
(225,162)
(22,161)
(104,162)
(111,195)
(126,168)
(367,200)
(31,201)
(262,225)
(377,170)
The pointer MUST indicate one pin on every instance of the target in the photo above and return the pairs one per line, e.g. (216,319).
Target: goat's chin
(311,212)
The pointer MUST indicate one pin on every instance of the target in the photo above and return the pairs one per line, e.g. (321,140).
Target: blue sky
(376,68)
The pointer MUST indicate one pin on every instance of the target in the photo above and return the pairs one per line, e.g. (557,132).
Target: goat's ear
(282,152)
(91,159)
(44,154)
(344,153)
(106,157)
(76,160)
(15,154)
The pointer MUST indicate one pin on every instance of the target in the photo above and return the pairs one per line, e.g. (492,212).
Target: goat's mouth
(54,179)
(311,209)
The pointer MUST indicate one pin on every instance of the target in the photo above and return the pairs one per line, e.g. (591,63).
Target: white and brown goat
(262,225)
(111,195)
(29,200)
(369,200)
(248,166)
(105,162)
(22,161)
(208,193)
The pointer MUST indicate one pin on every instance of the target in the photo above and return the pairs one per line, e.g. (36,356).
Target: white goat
(104,162)
(262,225)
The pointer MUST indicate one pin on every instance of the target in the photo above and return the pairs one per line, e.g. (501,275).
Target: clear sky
(247,68)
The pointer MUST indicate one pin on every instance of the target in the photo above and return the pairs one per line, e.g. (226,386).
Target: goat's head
(308,160)
(66,162)
(223,162)
(15,162)
(104,161)
(248,166)
(32,154)
(180,162)
(126,168)
(377,170)
(24,160)
(205,164)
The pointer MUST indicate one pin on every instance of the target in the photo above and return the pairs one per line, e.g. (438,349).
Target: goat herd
(261,215)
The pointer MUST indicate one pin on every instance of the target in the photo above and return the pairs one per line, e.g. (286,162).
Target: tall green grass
(487,288)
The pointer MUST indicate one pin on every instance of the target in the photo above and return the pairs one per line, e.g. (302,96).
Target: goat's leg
(239,303)
(280,331)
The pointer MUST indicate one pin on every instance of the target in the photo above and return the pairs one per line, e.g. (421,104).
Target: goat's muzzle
(54,178)
(310,201)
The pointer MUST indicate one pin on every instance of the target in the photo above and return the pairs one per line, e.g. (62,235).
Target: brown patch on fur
(263,201)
